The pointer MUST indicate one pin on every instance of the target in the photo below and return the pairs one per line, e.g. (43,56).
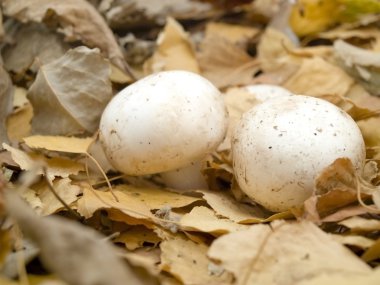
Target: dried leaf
(35,45)
(78,20)
(61,144)
(70,93)
(335,187)
(187,261)
(93,200)
(318,77)
(67,191)
(354,240)
(205,220)
(223,60)
(56,166)
(360,63)
(67,246)
(157,198)
(273,54)
(368,279)
(226,206)
(234,33)
(372,253)
(174,51)
(136,237)
(6,102)
(18,122)
(358,224)
(284,253)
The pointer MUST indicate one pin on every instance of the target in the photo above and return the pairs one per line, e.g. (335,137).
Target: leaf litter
(64,61)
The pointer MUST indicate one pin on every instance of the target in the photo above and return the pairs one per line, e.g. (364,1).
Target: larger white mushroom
(163,122)
(281,145)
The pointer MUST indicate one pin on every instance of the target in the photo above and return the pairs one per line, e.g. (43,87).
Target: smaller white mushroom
(163,122)
(280,146)
(240,100)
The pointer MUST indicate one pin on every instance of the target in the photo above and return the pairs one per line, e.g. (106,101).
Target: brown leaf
(283,253)
(34,45)
(224,62)
(354,240)
(318,77)
(335,187)
(6,102)
(70,93)
(187,261)
(67,246)
(174,51)
(78,20)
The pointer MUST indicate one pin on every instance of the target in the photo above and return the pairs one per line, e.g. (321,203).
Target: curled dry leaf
(77,254)
(70,93)
(335,187)
(78,20)
(34,45)
(55,167)
(174,51)
(187,261)
(284,253)
(6,102)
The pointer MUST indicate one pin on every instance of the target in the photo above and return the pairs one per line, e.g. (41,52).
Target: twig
(51,188)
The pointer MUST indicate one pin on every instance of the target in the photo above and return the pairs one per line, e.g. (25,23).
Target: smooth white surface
(186,178)
(281,145)
(163,122)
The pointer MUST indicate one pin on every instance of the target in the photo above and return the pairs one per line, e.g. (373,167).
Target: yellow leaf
(156,198)
(174,51)
(313,16)
(232,33)
(358,224)
(119,76)
(55,167)
(205,220)
(58,143)
(354,240)
(67,191)
(284,253)
(136,237)
(187,261)
(93,200)
(18,123)
(373,252)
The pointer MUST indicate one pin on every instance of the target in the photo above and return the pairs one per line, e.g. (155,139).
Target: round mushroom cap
(263,92)
(280,146)
(163,122)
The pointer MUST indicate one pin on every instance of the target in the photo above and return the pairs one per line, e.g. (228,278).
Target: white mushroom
(162,122)
(240,100)
(281,145)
